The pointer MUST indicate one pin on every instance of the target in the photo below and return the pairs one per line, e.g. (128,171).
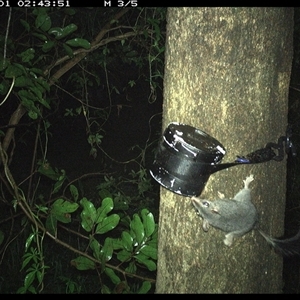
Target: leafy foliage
(111,234)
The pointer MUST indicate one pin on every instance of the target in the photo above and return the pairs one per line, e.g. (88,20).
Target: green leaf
(46,169)
(28,103)
(27,55)
(78,42)
(95,246)
(32,114)
(124,255)
(25,24)
(47,24)
(28,100)
(149,251)
(153,241)
(108,224)
(29,279)
(13,71)
(70,11)
(68,50)
(148,222)
(88,214)
(44,102)
(51,224)
(36,91)
(21,290)
(106,206)
(42,83)
(29,240)
(143,259)
(64,206)
(3,88)
(60,33)
(127,241)
(121,202)
(138,228)
(23,81)
(64,218)
(32,290)
(42,208)
(107,250)
(103,193)
(105,289)
(56,31)
(59,183)
(61,210)
(26,259)
(39,276)
(36,71)
(83,263)
(144,289)
(112,275)
(40,36)
(48,45)
(68,30)
(117,244)
(74,192)
(131,268)
(43,22)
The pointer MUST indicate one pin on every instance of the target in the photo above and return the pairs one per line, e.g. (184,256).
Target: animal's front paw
(228,239)
(248,180)
(205,225)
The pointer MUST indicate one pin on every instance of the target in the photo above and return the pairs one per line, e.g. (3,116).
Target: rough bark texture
(227,72)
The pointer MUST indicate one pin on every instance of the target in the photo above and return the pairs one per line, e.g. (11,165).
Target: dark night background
(134,123)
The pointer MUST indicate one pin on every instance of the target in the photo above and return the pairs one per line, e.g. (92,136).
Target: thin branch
(21,201)
(93,47)
(9,91)
(20,111)
(14,120)
(6,37)
(81,55)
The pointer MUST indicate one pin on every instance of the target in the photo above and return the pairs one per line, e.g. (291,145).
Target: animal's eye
(205,203)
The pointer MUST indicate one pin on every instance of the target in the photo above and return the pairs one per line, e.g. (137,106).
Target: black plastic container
(186,157)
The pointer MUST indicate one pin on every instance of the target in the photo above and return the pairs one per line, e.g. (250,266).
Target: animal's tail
(286,247)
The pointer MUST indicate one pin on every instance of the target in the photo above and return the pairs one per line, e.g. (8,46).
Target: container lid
(193,143)
(184,159)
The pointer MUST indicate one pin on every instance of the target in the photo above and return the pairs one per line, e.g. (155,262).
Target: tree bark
(227,72)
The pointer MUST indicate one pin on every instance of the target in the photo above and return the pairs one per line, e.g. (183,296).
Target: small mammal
(238,216)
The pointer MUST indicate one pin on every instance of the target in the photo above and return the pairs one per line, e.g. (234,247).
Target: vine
(120,247)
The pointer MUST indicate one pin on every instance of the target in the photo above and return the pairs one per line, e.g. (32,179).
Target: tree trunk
(227,72)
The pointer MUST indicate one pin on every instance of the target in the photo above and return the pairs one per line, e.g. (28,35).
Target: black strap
(265,154)
(284,144)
